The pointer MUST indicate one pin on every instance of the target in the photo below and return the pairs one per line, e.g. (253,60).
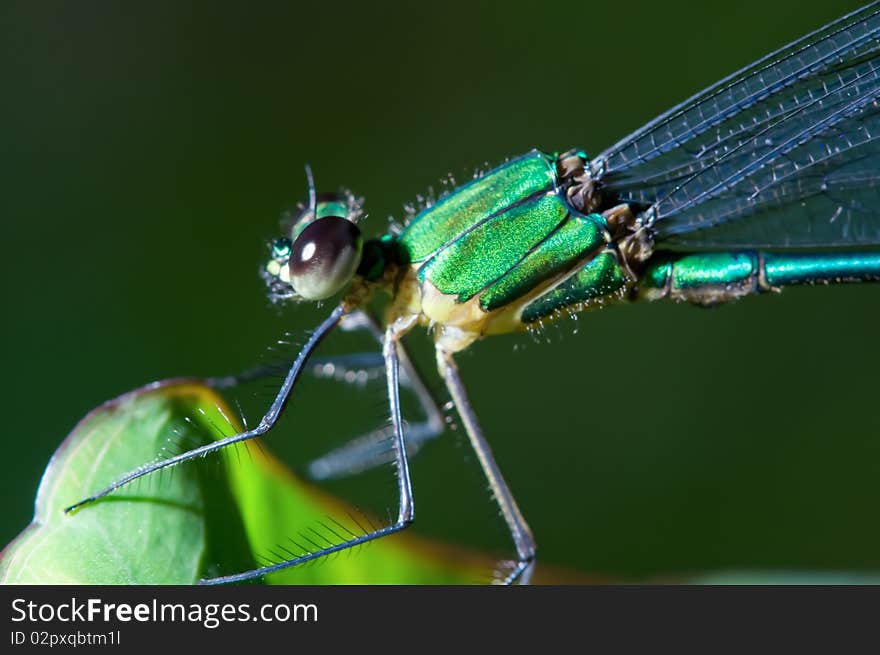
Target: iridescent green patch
(796,268)
(562,249)
(657,272)
(490,194)
(728,270)
(721,268)
(333,205)
(601,276)
(478,257)
(705,278)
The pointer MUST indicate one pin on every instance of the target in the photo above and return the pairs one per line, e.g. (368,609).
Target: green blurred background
(147,151)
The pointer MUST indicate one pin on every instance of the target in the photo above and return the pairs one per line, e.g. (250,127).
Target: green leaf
(207,521)
(273,500)
(191,524)
(150,532)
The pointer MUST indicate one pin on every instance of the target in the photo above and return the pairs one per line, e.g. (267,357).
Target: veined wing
(782,153)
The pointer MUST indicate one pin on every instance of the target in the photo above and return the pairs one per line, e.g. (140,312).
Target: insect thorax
(633,239)
(515,247)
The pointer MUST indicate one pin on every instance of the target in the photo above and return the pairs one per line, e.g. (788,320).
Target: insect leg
(228,381)
(321,367)
(266,423)
(519,529)
(370,450)
(405,511)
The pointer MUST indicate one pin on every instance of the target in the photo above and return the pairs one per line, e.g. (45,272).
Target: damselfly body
(767,179)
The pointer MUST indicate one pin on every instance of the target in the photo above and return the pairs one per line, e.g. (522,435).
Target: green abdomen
(708,278)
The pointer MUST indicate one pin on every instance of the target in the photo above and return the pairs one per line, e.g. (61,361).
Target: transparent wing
(782,153)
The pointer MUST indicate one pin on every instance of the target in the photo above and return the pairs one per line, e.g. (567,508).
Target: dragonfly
(767,179)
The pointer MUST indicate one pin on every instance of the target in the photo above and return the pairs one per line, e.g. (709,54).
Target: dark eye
(324,257)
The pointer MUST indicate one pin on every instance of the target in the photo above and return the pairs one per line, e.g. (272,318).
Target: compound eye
(324,257)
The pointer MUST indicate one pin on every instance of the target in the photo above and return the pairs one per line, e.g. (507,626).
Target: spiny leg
(320,365)
(266,423)
(519,529)
(370,450)
(256,373)
(356,369)
(405,511)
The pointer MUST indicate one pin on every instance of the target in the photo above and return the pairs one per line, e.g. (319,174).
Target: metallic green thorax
(512,239)
(599,280)
(571,241)
(469,205)
(471,262)
(502,235)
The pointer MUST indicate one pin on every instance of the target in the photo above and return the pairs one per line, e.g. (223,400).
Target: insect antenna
(313,196)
